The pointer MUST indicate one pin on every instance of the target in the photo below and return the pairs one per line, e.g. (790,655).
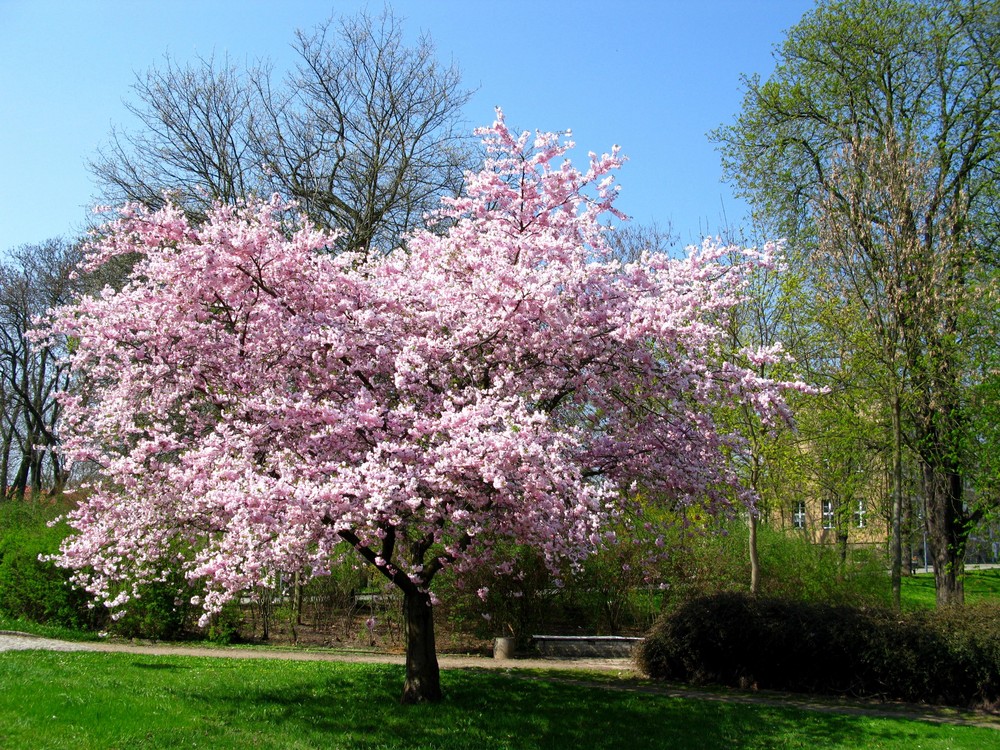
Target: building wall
(824,522)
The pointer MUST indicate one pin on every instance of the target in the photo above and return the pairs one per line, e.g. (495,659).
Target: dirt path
(628,679)
(10,640)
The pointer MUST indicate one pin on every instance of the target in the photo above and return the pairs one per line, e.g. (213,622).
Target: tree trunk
(896,542)
(297,598)
(423,678)
(754,556)
(947,533)
(843,537)
(909,545)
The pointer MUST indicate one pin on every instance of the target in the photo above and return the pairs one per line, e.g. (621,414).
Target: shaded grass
(88,700)
(918,592)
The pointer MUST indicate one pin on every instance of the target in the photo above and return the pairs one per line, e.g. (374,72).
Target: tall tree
(33,279)
(874,144)
(365,133)
(756,330)
(252,402)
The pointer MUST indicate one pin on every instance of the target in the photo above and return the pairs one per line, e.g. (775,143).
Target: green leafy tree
(873,146)
(770,457)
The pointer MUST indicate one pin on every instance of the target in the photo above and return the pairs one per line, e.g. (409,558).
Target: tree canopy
(253,403)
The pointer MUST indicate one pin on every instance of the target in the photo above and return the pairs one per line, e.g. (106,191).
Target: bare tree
(37,278)
(629,241)
(365,134)
(195,141)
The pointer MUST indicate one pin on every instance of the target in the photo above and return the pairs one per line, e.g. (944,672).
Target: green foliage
(518,604)
(36,590)
(872,148)
(717,560)
(609,595)
(950,656)
(624,587)
(161,611)
(227,626)
(613,590)
(30,588)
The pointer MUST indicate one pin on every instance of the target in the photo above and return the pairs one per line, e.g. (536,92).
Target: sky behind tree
(653,76)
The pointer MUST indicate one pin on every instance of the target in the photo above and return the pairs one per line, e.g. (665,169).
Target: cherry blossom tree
(253,404)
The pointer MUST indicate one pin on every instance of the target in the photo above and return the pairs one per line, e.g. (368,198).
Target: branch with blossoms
(260,402)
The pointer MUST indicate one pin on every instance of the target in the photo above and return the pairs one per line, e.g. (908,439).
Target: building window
(860,511)
(799,515)
(828,514)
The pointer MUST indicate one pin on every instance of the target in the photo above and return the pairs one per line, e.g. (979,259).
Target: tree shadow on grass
(358,707)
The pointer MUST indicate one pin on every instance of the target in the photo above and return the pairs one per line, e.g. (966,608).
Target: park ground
(618,675)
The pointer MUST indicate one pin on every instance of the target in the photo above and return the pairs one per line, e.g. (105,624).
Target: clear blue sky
(651,75)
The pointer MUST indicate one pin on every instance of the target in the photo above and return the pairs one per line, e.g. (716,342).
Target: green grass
(980,585)
(89,700)
(46,631)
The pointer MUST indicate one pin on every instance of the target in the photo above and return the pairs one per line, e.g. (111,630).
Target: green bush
(518,604)
(30,588)
(162,611)
(227,626)
(949,657)
(39,591)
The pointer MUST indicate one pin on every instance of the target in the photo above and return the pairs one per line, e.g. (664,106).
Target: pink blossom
(254,405)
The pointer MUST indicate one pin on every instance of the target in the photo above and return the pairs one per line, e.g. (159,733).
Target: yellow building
(828,522)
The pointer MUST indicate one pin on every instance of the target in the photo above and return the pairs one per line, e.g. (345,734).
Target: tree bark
(754,556)
(947,533)
(423,678)
(896,542)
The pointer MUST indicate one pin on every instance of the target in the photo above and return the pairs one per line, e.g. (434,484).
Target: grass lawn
(90,700)
(980,585)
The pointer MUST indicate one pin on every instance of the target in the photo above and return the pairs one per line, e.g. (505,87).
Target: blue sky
(651,75)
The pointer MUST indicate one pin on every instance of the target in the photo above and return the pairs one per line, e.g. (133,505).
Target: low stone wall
(601,646)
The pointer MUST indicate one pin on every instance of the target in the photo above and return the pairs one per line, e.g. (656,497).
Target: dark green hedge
(946,657)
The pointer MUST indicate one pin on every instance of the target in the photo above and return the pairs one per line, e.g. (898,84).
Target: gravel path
(14,641)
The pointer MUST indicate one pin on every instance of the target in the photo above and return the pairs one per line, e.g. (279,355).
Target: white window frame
(828,514)
(860,513)
(799,515)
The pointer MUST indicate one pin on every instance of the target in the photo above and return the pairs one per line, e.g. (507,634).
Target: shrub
(39,591)
(30,588)
(973,637)
(795,568)
(716,560)
(162,611)
(516,604)
(227,626)
(734,639)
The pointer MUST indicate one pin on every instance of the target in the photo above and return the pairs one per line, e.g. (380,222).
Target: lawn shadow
(359,707)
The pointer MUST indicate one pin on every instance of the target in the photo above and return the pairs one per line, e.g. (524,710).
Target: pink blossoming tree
(252,403)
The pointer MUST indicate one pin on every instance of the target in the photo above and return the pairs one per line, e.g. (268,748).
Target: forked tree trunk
(423,678)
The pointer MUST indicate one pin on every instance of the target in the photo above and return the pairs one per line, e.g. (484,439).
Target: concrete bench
(600,646)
